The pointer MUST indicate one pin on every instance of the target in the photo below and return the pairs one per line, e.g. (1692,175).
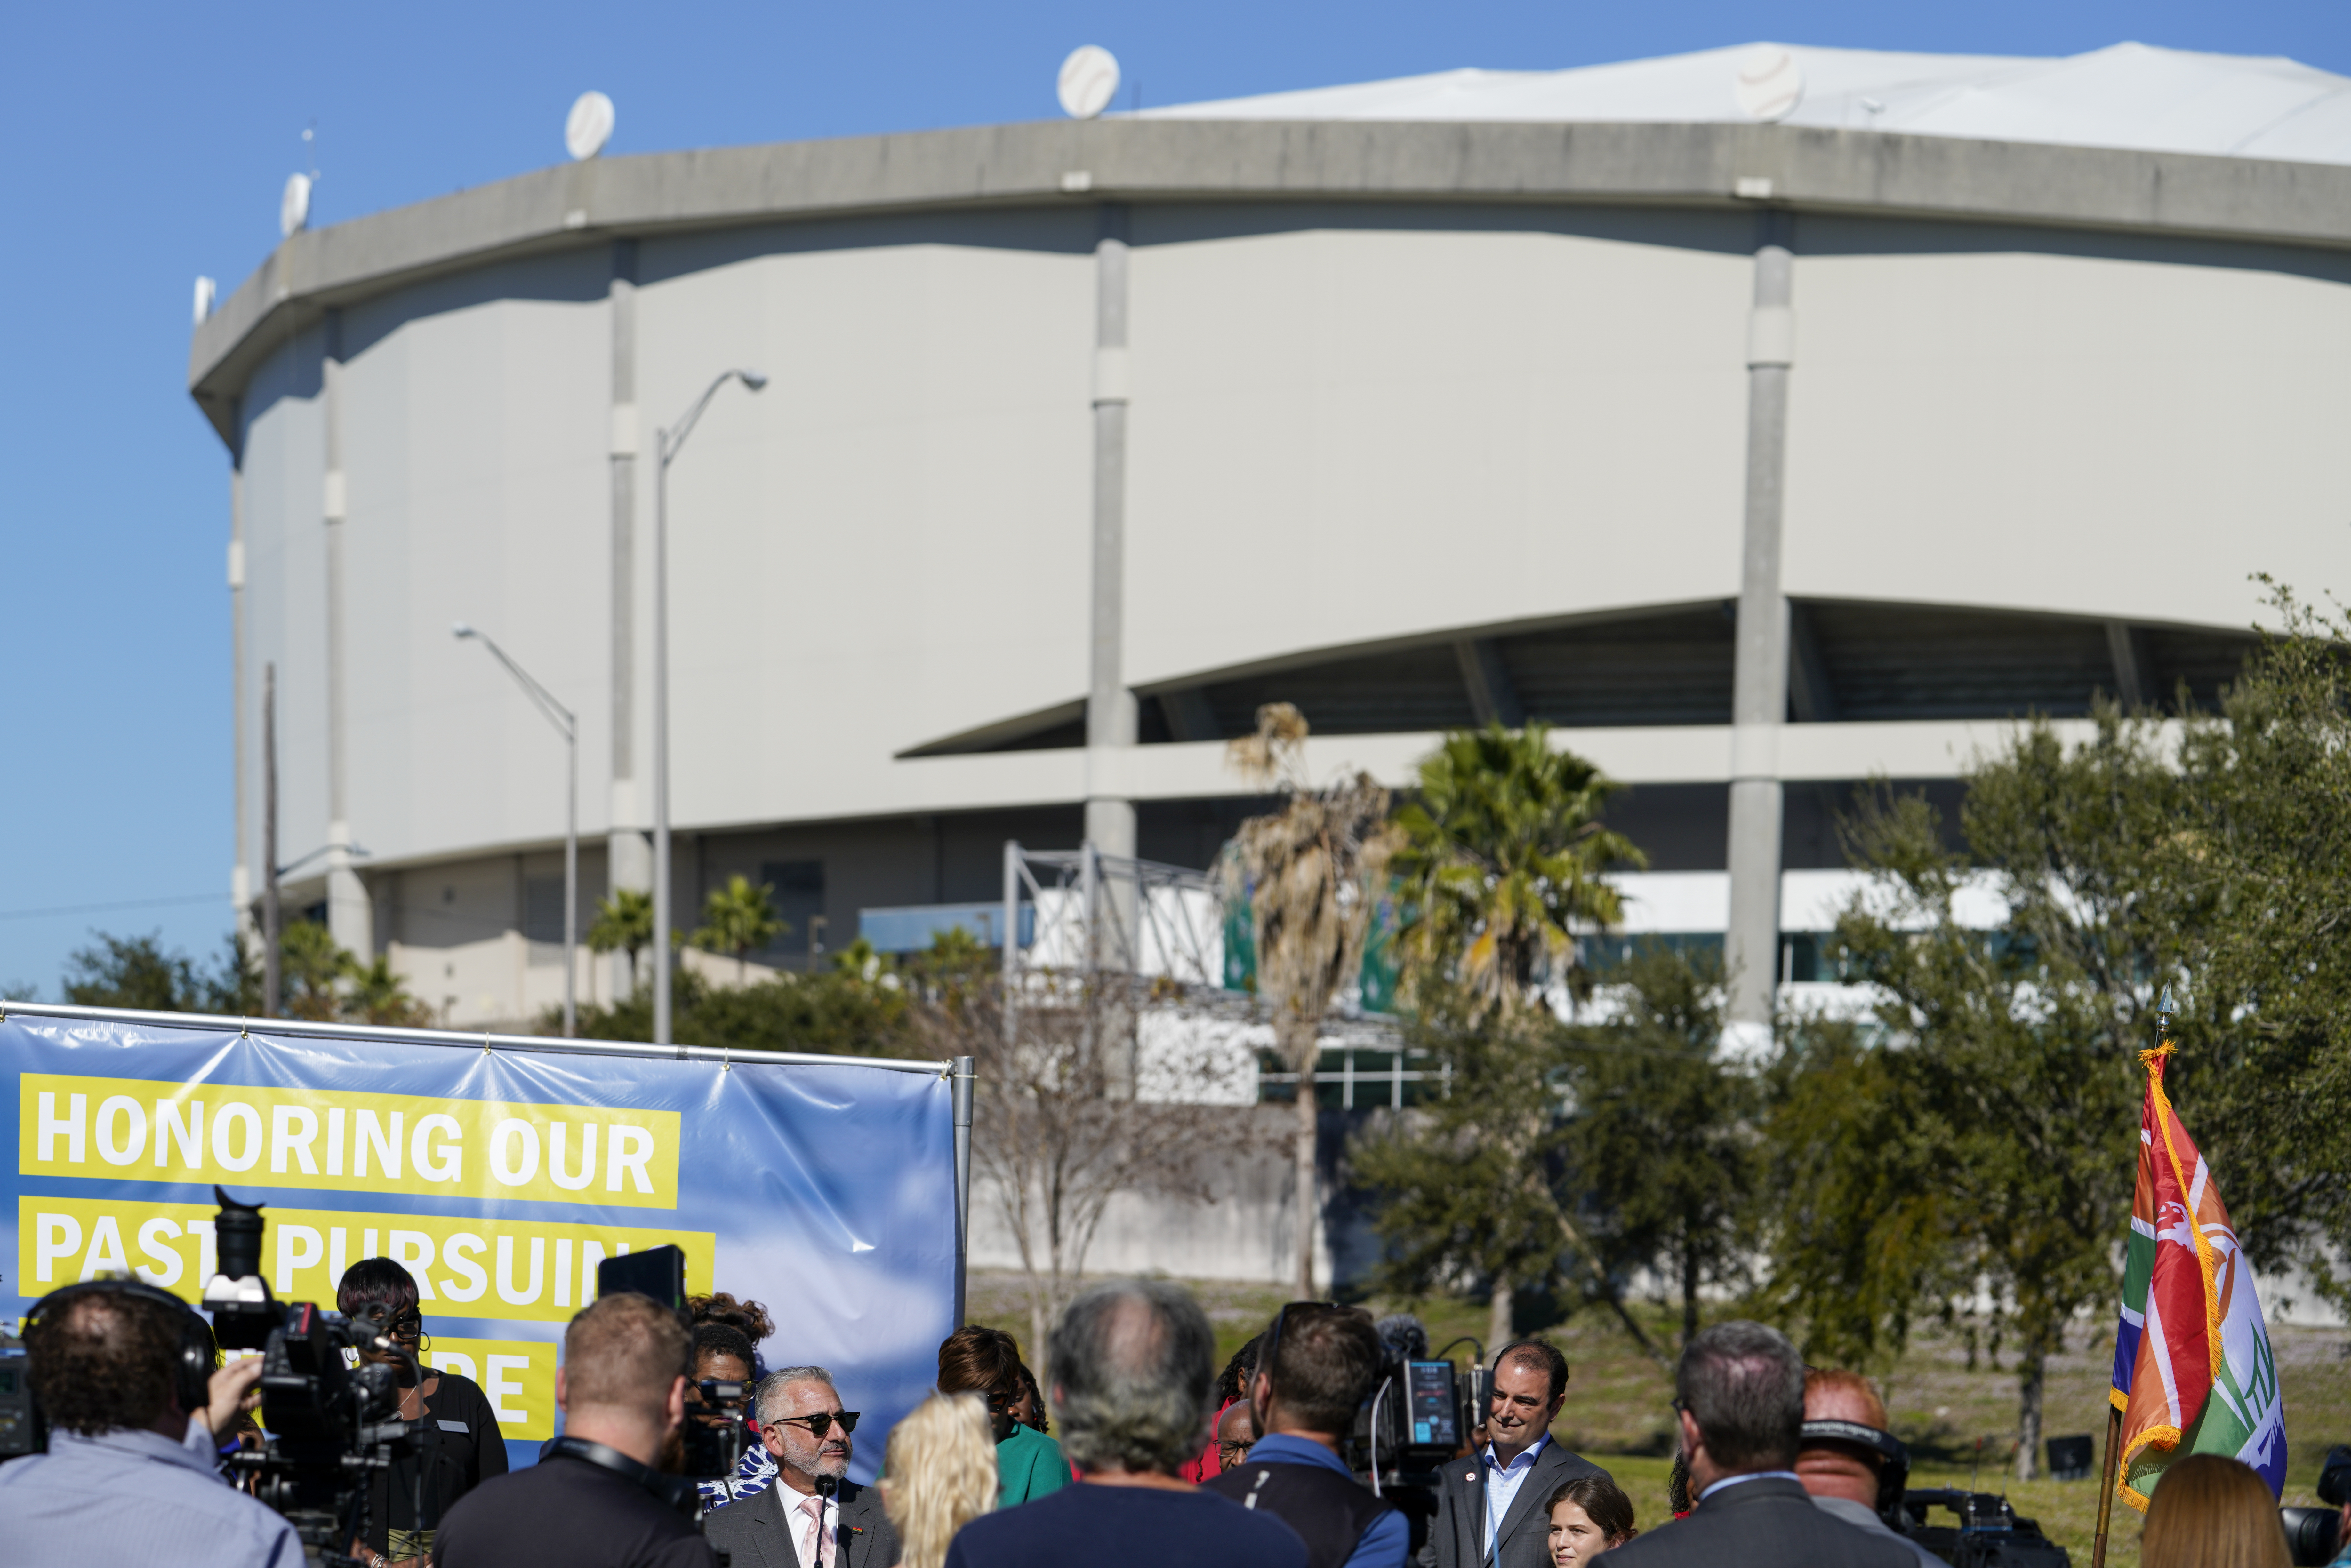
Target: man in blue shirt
(1320,1364)
(131,1476)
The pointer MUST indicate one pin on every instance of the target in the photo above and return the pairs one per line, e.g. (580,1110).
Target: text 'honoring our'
(125,1129)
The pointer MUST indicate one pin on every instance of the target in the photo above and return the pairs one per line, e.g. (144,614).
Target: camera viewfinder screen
(1431,1382)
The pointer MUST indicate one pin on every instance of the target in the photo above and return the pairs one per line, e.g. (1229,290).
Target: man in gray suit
(1490,1509)
(814,1516)
(1740,1397)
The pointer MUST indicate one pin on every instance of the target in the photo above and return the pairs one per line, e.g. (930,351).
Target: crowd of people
(1158,1462)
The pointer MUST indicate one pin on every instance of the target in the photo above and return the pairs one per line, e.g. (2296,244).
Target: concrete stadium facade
(1760,459)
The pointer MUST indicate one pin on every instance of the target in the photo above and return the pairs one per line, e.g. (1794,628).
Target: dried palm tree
(1311,873)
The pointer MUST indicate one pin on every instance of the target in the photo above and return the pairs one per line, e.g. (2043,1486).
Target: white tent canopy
(2128,96)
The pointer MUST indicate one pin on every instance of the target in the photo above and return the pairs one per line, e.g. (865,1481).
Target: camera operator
(458,1444)
(124,1374)
(1320,1364)
(600,1498)
(1846,1479)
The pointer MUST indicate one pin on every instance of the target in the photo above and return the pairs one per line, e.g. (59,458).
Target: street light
(561,718)
(667,443)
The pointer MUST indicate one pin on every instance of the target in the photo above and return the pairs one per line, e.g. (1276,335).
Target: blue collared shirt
(130,1496)
(1750,1476)
(1385,1544)
(1503,1482)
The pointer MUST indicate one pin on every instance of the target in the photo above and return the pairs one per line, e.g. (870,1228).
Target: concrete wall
(1352,425)
(2115,426)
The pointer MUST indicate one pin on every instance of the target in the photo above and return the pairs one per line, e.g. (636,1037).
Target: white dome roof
(2129,96)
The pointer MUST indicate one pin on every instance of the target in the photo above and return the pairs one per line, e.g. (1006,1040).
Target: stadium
(1761,447)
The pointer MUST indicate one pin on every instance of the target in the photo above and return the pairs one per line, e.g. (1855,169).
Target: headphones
(1894,1470)
(677,1491)
(191,1363)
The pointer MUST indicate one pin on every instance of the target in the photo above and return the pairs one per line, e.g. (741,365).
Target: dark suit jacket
(1766,1523)
(757,1533)
(1459,1535)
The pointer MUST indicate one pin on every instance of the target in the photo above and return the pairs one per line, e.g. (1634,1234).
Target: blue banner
(499,1179)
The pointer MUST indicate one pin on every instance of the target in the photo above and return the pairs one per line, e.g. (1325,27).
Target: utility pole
(271,978)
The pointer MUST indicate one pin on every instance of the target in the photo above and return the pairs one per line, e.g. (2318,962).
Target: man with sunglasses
(814,1516)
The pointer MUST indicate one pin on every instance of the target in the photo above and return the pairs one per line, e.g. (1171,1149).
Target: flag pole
(2106,1484)
(2164,1013)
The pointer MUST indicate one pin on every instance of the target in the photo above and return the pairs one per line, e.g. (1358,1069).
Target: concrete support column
(629,859)
(241,880)
(1109,705)
(350,913)
(1759,684)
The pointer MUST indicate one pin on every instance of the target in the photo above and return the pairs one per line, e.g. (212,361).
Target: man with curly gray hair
(1134,1363)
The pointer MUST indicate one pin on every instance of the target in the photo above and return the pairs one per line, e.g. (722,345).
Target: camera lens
(2310,1533)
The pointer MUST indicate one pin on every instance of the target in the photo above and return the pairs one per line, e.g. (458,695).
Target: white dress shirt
(1502,1484)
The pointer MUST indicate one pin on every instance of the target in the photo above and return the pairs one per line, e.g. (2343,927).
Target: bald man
(1842,1477)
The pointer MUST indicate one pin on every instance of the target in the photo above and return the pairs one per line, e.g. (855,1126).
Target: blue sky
(146,145)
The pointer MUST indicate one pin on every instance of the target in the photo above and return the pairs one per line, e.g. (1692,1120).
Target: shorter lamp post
(561,718)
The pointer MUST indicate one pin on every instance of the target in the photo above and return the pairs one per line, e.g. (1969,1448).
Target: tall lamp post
(667,443)
(561,718)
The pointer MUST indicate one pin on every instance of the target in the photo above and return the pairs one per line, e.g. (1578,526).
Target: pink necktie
(815,1556)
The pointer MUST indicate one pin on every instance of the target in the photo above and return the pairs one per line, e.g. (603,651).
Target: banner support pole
(962,1082)
(2106,1485)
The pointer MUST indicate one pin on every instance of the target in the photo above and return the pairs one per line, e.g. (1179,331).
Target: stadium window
(796,892)
(542,909)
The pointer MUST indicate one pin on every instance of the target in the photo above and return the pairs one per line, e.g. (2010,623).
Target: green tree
(2011,1053)
(1497,856)
(735,919)
(377,995)
(1501,852)
(135,972)
(833,1012)
(314,967)
(2265,850)
(1660,1145)
(623,923)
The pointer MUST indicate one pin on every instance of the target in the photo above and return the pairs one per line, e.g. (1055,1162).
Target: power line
(102,908)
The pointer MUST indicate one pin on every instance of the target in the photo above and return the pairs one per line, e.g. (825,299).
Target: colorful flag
(2193,1373)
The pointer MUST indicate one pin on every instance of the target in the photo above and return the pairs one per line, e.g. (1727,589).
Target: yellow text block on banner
(517,1377)
(464,1267)
(132,1129)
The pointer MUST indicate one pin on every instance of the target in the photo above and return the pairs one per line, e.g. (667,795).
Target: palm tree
(737,918)
(314,967)
(1501,856)
(624,923)
(1310,873)
(377,995)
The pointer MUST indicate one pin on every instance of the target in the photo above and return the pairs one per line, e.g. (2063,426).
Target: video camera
(330,1417)
(1990,1534)
(1420,1413)
(716,1437)
(2312,1535)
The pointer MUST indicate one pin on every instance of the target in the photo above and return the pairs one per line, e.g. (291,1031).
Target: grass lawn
(1618,1402)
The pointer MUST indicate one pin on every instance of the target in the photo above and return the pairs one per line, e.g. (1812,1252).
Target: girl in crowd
(942,1475)
(2212,1511)
(459,1444)
(1588,1516)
